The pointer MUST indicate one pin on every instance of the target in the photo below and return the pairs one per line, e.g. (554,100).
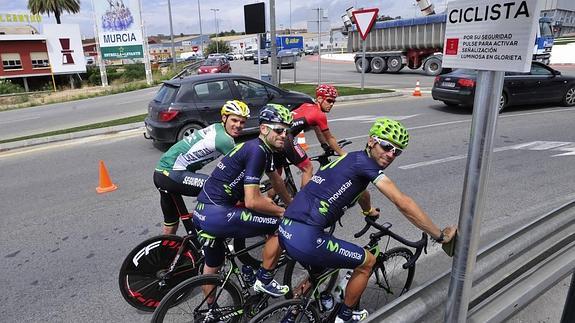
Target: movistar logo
(246,216)
(324,207)
(235,149)
(332,246)
(287,221)
(200,206)
(228,189)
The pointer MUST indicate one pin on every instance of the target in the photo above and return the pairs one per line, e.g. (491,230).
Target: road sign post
(492,36)
(364,20)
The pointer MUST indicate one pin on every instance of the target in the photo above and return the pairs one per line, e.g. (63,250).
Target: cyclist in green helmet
(335,188)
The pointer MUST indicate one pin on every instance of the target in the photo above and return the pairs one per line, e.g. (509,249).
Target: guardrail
(509,274)
(188,70)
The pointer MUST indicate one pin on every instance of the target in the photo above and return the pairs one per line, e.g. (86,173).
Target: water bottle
(326,300)
(248,275)
(340,288)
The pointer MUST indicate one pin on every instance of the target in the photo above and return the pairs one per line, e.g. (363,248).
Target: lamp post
(216,20)
(172,36)
(201,34)
(290,17)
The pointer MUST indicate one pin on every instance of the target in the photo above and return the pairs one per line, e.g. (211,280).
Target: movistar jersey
(195,151)
(243,165)
(333,189)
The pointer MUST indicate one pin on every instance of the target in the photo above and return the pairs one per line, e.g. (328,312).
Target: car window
(273,91)
(186,93)
(214,90)
(212,62)
(166,93)
(539,70)
(250,89)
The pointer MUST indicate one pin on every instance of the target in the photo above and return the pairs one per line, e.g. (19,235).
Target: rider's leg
(355,286)
(306,168)
(265,276)
(214,259)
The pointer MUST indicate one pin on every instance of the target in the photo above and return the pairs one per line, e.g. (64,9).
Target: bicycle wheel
(389,279)
(254,256)
(295,274)
(140,280)
(187,302)
(290,310)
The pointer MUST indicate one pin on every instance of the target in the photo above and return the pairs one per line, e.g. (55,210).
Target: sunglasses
(331,101)
(277,129)
(387,146)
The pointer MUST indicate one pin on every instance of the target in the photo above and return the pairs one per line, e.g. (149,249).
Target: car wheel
(358,65)
(569,98)
(188,130)
(502,102)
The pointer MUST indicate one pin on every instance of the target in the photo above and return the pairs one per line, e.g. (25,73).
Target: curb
(109,130)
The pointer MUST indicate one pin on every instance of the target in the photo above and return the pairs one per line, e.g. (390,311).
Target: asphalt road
(63,244)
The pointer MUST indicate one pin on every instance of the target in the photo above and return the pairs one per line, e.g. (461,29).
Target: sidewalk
(137,125)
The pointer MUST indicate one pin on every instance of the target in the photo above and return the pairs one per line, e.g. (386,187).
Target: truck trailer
(418,43)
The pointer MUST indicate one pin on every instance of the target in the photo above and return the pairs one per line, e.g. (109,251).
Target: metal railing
(509,274)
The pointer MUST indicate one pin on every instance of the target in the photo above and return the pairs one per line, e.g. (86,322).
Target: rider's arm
(411,210)
(254,200)
(364,202)
(332,142)
(280,187)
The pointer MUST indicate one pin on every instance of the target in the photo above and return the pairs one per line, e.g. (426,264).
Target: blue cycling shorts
(230,222)
(310,245)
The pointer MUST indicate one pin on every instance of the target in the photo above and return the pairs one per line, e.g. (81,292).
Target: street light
(172,35)
(216,19)
(201,34)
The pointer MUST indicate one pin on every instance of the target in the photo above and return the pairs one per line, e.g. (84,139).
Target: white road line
(20,119)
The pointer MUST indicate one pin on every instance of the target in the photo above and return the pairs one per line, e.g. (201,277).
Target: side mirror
(555,72)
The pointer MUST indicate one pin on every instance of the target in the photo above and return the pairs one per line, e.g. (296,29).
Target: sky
(230,15)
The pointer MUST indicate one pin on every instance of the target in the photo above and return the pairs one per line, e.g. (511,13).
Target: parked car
(249,55)
(215,65)
(310,50)
(542,84)
(182,106)
(264,56)
(230,56)
(286,58)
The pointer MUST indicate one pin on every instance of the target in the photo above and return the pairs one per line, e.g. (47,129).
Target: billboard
(65,51)
(119,29)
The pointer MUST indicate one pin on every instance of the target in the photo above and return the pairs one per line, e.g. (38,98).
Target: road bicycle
(160,263)
(391,277)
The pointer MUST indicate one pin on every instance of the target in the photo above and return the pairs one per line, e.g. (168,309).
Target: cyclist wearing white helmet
(176,172)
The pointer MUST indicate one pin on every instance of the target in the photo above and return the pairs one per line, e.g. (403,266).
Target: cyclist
(335,188)
(306,116)
(176,172)
(237,177)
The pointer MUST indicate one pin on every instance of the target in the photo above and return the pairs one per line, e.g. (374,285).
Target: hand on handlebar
(373,212)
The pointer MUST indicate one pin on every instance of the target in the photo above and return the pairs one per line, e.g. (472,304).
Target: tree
(222,46)
(53,6)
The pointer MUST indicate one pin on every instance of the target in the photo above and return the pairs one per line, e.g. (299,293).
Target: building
(563,14)
(24,56)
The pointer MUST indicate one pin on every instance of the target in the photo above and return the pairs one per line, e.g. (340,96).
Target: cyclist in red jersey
(306,116)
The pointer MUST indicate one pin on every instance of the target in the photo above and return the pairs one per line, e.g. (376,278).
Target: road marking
(21,119)
(370,118)
(534,145)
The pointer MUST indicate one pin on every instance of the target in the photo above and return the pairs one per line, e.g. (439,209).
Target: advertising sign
(492,35)
(20,18)
(119,32)
(65,50)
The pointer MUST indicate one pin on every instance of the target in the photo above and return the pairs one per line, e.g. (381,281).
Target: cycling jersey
(306,116)
(195,151)
(243,165)
(333,189)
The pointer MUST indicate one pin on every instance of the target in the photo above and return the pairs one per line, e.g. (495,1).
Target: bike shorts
(230,222)
(172,185)
(310,245)
(294,153)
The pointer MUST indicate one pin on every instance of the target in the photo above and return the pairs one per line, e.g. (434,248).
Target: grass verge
(309,89)
(116,122)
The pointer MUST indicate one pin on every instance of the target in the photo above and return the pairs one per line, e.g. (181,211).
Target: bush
(7,87)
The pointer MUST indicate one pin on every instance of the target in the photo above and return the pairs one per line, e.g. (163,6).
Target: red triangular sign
(364,20)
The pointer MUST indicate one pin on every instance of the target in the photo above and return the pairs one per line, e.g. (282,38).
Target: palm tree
(56,6)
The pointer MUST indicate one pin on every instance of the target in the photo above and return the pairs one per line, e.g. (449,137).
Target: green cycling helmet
(390,130)
(275,113)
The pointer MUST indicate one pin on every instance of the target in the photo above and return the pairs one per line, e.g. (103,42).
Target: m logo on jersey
(246,216)
(332,246)
(323,208)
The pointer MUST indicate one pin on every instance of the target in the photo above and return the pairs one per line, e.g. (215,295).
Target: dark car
(184,105)
(541,84)
(264,56)
(215,65)
(286,58)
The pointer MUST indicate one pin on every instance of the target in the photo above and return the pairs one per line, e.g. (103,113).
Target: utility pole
(290,17)
(172,35)
(273,42)
(201,34)
(216,19)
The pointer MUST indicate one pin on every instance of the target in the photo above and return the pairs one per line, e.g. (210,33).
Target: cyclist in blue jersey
(176,172)
(335,188)
(237,178)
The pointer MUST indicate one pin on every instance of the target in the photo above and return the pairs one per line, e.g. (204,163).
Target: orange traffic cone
(301,141)
(106,184)
(417,91)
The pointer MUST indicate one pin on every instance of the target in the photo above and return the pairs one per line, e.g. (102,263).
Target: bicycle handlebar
(419,245)
(328,152)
